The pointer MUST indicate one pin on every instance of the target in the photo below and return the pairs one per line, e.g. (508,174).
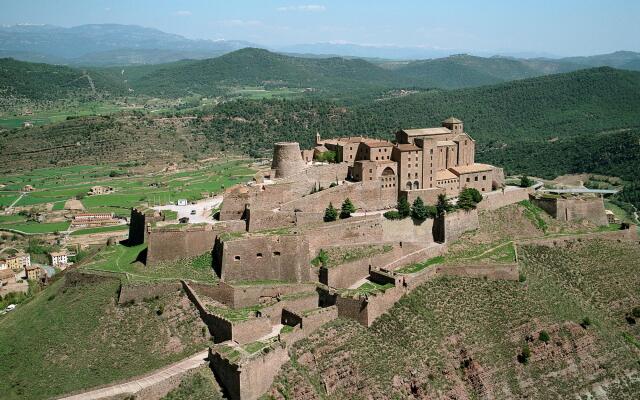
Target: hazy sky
(561,27)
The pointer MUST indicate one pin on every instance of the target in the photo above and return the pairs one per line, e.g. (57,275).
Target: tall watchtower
(454,124)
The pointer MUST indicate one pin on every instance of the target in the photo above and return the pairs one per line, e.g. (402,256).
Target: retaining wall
(496,199)
(141,292)
(479,270)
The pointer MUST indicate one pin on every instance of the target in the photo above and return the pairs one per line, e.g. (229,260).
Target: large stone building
(421,162)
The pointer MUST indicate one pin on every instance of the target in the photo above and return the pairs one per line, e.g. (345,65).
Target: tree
(525,181)
(465,201)
(347,208)
(419,210)
(330,213)
(444,204)
(404,209)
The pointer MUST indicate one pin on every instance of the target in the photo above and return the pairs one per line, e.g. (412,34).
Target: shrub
(393,214)
(525,181)
(321,259)
(330,213)
(586,321)
(544,336)
(525,354)
(636,312)
(522,277)
(347,208)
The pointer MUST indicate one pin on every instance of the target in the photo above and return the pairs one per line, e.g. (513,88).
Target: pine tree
(330,213)
(443,205)
(404,209)
(347,208)
(525,181)
(465,200)
(419,210)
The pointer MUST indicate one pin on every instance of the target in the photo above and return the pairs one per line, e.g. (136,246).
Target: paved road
(203,210)
(143,382)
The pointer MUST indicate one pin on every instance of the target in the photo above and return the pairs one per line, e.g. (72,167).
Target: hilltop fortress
(280,264)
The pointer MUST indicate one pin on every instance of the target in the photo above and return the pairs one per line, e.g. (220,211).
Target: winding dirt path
(137,384)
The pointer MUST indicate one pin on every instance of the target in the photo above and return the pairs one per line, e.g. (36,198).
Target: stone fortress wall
(573,208)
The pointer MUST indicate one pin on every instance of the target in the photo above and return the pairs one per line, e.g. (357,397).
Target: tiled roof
(452,120)
(379,143)
(407,147)
(445,174)
(427,131)
(445,143)
(468,169)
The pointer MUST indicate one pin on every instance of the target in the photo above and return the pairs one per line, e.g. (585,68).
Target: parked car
(193,212)
(10,307)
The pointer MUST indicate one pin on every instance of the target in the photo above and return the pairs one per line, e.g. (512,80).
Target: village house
(34,273)
(96,190)
(3,263)
(611,217)
(59,258)
(28,188)
(93,219)
(19,261)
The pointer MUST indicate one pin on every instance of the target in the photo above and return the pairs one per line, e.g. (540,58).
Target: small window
(259,255)
(237,258)
(370,170)
(484,177)
(276,253)
(475,179)
(468,179)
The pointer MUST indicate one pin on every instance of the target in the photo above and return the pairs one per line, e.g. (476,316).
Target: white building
(182,202)
(59,258)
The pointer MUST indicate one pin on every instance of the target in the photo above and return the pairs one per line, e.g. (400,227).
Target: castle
(422,162)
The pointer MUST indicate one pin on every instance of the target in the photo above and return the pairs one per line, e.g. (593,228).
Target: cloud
(304,7)
(183,13)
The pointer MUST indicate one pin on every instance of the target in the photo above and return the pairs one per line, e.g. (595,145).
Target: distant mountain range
(259,67)
(121,45)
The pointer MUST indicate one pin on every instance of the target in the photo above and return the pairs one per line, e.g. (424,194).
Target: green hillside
(461,337)
(257,67)
(74,336)
(468,71)
(37,82)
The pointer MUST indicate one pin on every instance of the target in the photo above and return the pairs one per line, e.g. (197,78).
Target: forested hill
(23,80)
(583,121)
(257,67)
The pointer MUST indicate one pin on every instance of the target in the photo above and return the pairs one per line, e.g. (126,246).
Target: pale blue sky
(561,27)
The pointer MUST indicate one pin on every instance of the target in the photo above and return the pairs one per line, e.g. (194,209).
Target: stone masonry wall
(364,195)
(170,245)
(497,199)
(265,257)
(140,292)
(490,271)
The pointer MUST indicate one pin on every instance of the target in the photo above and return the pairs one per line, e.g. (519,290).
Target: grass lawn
(101,229)
(122,259)
(71,338)
(198,384)
(413,268)
(35,227)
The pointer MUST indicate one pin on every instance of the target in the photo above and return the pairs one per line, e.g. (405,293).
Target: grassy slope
(197,385)
(70,338)
(420,346)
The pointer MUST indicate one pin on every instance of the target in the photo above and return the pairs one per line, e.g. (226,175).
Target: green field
(124,260)
(44,117)
(35,227)
(102,229)
(69,338)
(57,185)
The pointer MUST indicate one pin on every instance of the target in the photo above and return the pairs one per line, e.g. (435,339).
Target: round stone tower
(287,159)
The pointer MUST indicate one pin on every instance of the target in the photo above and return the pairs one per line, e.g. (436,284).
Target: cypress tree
(419,211)
(404,209)
(347,208)
(330,213)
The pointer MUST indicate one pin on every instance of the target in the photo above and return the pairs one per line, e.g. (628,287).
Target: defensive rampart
(132,292)
(264,257)
(364,195)
(450,226)
(573,209)
(259,220)
(171,243)
(499,198)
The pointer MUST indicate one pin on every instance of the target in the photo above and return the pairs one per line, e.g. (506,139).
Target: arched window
(416,185)
(409,185)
